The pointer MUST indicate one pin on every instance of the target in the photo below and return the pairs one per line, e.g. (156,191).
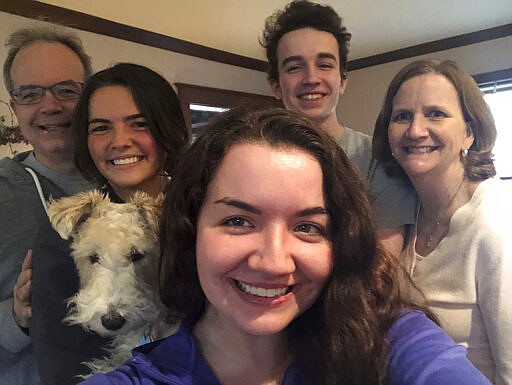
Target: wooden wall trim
(218,97)
(58,15)
(63,16)
(493,76)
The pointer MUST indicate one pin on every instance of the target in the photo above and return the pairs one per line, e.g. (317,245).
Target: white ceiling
(377,26)
(386,25)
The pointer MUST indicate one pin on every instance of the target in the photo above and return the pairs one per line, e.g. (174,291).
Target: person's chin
(415,168)
(124,182)
(316,116)
(60,146)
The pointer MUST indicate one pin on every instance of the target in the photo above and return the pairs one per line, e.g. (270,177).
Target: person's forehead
(45,63)
(307,43)
(433,85)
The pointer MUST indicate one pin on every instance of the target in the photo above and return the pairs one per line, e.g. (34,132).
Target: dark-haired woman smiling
(129,134)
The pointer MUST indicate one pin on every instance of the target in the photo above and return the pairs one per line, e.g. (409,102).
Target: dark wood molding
(433,46)
(63,16)
(488,77)
(218,97)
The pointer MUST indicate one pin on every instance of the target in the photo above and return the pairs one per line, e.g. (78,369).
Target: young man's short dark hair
(303,14)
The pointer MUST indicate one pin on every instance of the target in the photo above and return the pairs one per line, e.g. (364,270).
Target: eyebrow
(30,85)
(239,204)
(312,211)
(289,59)
(129,117)
(98,120)
(400,108)
(326,55)
(134,116)
(321,55)
(247,207)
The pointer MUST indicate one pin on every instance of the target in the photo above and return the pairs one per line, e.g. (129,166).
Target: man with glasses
(31,94)
(44,73)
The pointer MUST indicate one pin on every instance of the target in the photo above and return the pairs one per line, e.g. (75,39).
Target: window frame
(217,97)
(494,82)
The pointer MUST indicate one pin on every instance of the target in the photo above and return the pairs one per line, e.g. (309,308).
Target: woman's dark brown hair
(156,101)
(341,339)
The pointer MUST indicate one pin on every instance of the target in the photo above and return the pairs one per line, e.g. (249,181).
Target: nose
(49,104)
(113,321)
(418,128)
(120,137)
(274,255)
(311,75)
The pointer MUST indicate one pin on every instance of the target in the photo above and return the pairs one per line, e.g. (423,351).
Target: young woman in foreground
(269,252)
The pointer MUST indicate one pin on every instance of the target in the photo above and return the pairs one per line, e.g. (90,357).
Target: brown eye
(136,256)
(401,117)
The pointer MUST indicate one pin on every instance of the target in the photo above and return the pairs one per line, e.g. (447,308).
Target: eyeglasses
(31,94)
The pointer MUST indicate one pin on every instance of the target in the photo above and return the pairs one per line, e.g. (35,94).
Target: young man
(44,72)
(307,48)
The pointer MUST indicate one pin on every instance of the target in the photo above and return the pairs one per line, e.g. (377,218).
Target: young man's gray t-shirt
(394,202)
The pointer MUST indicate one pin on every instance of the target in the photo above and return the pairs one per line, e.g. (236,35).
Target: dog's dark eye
(136,256)
(94,258)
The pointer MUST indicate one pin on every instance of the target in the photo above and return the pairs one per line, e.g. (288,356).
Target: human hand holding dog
(22,310)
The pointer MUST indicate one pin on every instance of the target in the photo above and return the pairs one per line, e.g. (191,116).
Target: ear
(149,207)
(276,88)
(470,138)
(343,85)
(67,214)
(13,106)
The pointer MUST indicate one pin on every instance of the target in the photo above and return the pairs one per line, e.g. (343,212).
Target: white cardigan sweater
(467,278)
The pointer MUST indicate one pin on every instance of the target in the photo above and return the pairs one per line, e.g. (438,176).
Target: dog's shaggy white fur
(115,249)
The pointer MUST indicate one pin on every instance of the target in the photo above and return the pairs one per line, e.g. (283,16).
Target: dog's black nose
(113,321)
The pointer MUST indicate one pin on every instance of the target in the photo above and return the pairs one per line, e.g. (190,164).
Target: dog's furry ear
(149,207)
(67,214)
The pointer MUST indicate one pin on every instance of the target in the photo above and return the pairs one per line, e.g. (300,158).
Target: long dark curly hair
(156,100)
(341,339)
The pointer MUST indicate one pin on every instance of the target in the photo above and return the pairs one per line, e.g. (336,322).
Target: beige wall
(187,20)
(361,102)
(175,67)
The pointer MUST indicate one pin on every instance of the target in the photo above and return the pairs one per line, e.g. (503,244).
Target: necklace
(429,240)
(430,236)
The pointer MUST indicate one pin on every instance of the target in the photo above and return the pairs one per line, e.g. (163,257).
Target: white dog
(115,249)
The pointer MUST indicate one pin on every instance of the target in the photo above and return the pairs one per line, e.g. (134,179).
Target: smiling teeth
(260,291)
(133,159)
(420,150)
(47,127)
(311,96)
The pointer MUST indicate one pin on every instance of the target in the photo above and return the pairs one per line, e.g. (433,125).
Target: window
(200,115)
(500,103)
(497,87)
(199,103)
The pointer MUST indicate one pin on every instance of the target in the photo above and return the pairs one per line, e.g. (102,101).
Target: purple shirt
(421,354)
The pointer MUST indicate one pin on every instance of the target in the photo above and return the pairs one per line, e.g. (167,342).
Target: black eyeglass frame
(41,90)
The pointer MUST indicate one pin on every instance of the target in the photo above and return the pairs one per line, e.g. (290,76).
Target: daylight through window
(499,97)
